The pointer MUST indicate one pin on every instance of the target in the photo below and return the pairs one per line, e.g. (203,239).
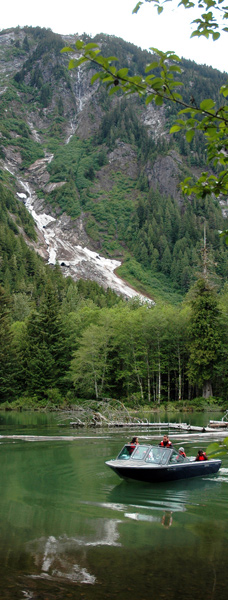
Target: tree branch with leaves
(159,85)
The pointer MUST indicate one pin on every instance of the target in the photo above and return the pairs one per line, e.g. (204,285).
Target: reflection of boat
(155,464)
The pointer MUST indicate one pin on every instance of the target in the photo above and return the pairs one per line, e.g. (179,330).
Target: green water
(69,528)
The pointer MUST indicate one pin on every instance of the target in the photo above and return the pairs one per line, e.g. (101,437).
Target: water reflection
(55,558)
(167,519)
(70,528)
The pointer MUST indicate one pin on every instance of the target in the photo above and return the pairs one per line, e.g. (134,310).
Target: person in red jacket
(166,442)
(181,452)
(134,442)
(201,455)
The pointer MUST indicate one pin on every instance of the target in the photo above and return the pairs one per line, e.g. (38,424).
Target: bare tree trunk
(168,384)
(159,374)
(148,378)
(96,386)
(179,376)
(138,376)
(154,388)
(207,389)
(103,372)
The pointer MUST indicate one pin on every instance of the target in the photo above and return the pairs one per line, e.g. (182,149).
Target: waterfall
(79,89)
(62,245)
(41,220)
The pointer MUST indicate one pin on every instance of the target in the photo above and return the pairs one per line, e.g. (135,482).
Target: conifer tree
(44,355)
(205,337)
(8,364)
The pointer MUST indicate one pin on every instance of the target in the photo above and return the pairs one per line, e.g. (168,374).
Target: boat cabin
(151,454)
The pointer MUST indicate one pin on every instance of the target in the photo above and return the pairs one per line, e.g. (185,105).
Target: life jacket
(132,446)
(167,445)
(202,456)
(182,454)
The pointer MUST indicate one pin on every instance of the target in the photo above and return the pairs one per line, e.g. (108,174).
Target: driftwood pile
(100,414)
(114,414)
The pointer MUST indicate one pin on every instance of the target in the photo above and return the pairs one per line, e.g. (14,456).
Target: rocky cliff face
(60,237)
(44,107)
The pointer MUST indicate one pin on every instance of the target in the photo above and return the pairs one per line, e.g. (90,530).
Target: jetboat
(155,464)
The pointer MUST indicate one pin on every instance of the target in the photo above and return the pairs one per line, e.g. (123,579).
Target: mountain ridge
(109,170)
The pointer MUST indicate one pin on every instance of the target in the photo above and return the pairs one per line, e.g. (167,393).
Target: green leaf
(224,90)
(215,35)
(190,135)
(158,100)
(151,66)
(211,131)
(95,77)
(175,68)
(79,44)
(149,98)
(207,104)
(90,46)
(175,128)
(67,49)
(213,447)
(72,63)
(122,73)
(137,7)
(136,79)
(112,58)
(114,90)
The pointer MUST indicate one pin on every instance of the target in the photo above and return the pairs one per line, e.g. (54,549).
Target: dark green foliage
(45,95)
(91,290)
(66,197)
(16,134)
(170,242)
(122,123)
(44,344)
(8,359)
(205,336)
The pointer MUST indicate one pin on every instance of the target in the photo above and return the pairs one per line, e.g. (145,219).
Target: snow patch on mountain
(58,241)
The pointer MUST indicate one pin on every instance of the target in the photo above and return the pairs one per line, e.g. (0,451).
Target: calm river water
(71,529)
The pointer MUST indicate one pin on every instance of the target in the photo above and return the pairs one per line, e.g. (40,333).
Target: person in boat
(201,455)
(166,442)
(181,452)
(134,442)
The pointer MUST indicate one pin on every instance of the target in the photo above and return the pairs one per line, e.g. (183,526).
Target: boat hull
(159,473)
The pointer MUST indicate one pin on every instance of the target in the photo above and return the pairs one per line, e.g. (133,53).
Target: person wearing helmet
(182,452)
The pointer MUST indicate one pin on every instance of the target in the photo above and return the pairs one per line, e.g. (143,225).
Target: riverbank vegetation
(74,340)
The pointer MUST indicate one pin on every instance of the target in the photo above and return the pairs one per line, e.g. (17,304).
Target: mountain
(100,175)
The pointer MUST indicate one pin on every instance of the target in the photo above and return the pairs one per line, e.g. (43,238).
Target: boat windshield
(152,454)
(139,452)
(163,456)
(126,452)
(159,456)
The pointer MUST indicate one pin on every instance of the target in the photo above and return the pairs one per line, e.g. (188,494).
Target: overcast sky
(169,31)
